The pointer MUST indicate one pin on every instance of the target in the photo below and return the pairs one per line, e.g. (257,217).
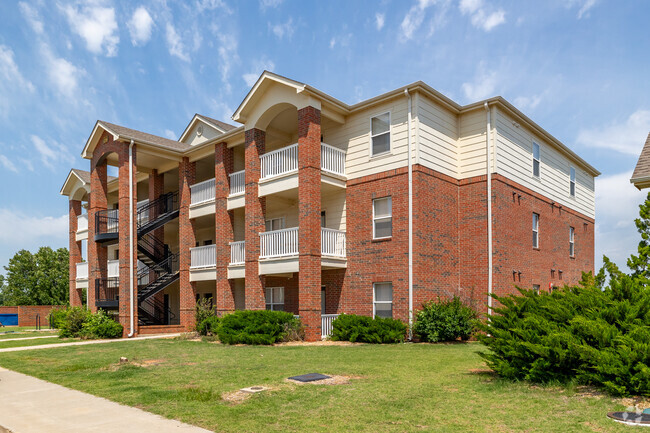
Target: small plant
(445,320)
(76,322)
(72,325)
(208,326)
(364,329)
(257,327)
(57,317)
(202,311)
(101,325)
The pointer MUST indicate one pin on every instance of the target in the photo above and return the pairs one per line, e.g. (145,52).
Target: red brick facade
(223,222)
(27,314)
(186,240)
(75,252)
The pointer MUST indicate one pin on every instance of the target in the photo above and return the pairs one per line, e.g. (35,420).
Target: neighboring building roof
(220,126)
(641,175)
(80,178)
(218,123)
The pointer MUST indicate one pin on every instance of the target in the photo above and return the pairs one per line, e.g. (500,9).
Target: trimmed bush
(208,326)
(258,327)
(583,334)
(101,325)
(76,322)
(444,320)
(72,324)
(364,329)
(57,317)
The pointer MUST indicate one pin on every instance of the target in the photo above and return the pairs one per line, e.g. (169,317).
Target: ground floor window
(382,302)
(275,298)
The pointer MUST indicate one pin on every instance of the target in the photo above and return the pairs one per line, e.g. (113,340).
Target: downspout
(410,180)
(488,170)
(131,240)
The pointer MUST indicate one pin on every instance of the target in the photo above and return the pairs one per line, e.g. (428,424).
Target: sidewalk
(83,343)
(30,405)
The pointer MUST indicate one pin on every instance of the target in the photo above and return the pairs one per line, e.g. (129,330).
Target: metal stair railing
(152,247)
(162,272)
(155,309)
(151,212)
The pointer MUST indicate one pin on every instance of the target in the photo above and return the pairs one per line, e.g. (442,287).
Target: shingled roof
(218,123)
(641,175)
(144,137)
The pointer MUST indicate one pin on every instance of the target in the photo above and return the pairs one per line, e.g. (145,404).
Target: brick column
(309,207)
(186,240)
(97,254)
(75,252)
(255,210)
(223,222)
(156,189)
(126,265)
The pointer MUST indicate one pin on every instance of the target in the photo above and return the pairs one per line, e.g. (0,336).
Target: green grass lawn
(22,333)
(408,387)
(36,342)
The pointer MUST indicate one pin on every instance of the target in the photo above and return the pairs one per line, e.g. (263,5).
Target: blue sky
(579,68)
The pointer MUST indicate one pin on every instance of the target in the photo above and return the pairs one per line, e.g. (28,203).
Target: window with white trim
(536,159)
(275,298)
(535,230)
(382,218)
(572,248)
(380,134)
(382,299)
(572,182)
(274,224)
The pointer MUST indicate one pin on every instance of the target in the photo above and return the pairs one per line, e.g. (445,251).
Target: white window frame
(572,243)
(375,301)
(273,304)
(270,220)
(572,181)
(535,230)
(537,160)
(384,217)
(390,133)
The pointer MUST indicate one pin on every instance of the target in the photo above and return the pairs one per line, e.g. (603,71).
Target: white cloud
(626,136)
(170,134)
(175,45)
(32,17)
(6,163)
(284,29)
(415,17)
(51,154)
(341,41)
(584,6)
(617,205)
(266,4)
(97,27)
(204,5)
(9,72)
(528,102)
(63,74)
(256,70)
(483,86)
(481,16)
(227,56)
(140,26)
(380,19)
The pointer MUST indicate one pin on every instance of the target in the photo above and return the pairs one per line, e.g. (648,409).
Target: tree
(640,265)
(37,279)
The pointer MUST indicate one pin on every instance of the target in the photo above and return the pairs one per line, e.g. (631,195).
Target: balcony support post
(223,221)
(126,234)
(186,240)
(75,252)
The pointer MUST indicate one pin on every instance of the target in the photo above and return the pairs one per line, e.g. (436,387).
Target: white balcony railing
(326,321)
(82,271)
(238,253)
(202,191)
(113,268)
(82,222)
(332,242)
(279,161)
(204,257)
(332,160)
(237,183)
(279,243)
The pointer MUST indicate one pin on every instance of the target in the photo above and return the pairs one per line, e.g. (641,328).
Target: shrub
(72,324)
(202,311)
(593,336)
(208,326)
(444,320)
(257,327)
(101,325)
(364,329)
(57,317)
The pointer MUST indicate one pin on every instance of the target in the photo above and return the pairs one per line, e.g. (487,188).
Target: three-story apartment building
(318,207)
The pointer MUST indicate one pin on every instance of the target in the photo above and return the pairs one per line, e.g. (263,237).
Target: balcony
(237,268)
(279,169)
(202,198)
(106,225)
(203,264)
(82,275)
(279,250)
(82,227)
(236,198)
(107,292)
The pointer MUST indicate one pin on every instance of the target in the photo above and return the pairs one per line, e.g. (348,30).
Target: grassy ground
(36,342)
(397,387)
(23,331)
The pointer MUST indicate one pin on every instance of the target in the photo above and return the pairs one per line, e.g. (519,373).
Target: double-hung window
(535,230)
(274,224)
(536,159)
(382,299)
(572,182)
(275,298)
(572,246)
(382,218)
(380,134)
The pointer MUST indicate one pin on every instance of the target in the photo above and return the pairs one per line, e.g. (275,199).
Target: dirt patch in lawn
(145,363)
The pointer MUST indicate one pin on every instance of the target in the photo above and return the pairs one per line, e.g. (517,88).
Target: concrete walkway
(83,343)
(30,405)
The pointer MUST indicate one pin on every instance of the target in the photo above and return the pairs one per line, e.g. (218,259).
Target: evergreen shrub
(364,329)
(444,320)
(258,327)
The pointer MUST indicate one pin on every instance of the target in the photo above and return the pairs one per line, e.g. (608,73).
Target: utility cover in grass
(311,377)
(631,418)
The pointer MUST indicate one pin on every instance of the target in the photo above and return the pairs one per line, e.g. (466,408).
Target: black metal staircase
(153,311)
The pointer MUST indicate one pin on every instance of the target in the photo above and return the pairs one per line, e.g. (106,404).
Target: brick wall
(27,313)
(223,222)
(75,252)
(186,240)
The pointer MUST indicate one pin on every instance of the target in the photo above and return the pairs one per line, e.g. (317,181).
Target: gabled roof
(641,175)
(122,133)
(80,178)
(214,123)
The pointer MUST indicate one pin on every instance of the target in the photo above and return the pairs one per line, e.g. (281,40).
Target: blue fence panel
(9,319)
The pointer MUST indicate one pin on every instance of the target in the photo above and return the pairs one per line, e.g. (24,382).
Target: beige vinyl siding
(471,144)
(514,161)
(334,206)
(354,138)
(277,207)
(208,133)
(438,137)
(239,224)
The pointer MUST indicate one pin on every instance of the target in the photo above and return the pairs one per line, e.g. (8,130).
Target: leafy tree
(640,265)
(37,279)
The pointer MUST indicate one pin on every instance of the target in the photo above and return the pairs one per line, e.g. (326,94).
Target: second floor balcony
(82,227)
(203,263)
